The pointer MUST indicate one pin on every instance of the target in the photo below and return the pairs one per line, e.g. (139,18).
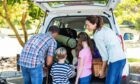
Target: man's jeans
(32,75)
(114,74)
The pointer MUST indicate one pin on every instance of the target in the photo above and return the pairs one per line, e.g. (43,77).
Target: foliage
(133,60)
(16,8)
(35,12)
(16,13)
(128,10)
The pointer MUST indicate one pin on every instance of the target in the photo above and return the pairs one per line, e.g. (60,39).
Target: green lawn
(133,60)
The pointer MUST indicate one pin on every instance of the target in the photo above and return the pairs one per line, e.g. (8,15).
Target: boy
(60,71)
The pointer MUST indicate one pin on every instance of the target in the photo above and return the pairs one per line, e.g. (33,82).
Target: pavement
(15,77)
(9,47)
(133,53)
(12,77)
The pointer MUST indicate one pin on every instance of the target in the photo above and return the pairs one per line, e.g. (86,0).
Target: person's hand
(76,82)
(45,69)
(101,74)
(73,67)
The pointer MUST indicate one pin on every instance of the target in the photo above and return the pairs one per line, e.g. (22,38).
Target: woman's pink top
(86,56)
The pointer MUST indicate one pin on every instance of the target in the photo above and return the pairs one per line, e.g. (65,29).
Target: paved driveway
(133,53)
(9,46)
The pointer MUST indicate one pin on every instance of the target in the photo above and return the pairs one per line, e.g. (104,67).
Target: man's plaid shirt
(36,49)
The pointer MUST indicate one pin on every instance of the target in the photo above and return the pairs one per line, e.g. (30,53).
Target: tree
(18,11)
(129,10)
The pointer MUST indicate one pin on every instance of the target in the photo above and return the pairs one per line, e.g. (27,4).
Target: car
(71,15)
(131,40)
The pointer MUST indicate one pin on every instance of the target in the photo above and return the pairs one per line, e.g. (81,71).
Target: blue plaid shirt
(36,49)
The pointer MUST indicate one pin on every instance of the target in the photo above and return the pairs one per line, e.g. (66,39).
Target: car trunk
(70,27)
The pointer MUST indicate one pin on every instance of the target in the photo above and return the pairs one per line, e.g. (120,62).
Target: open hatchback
(72,14)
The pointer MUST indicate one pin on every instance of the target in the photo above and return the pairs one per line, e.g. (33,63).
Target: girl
(84,49)
(110,49)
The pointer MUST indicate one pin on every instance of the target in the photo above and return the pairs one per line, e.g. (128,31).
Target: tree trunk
(23,20)
(16,32)
(38,27)
(10,23)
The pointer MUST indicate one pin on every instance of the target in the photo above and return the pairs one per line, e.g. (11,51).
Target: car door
(71,5)
(80,7)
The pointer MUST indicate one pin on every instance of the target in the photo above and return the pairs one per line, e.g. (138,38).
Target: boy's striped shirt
(61,73)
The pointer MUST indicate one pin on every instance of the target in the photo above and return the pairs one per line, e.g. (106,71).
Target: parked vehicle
(71,14)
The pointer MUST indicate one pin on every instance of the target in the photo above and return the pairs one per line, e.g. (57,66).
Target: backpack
(68,32)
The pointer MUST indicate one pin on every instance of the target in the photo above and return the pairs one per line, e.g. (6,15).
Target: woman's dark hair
(54,29)
(96,20)
(84,37)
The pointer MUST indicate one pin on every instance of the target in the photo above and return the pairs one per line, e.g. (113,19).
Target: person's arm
(50,53)
(49,61)
(71,72)
(103,70)
(100,44)
(79,70)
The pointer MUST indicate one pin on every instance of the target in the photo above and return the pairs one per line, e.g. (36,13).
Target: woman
(110,49)
(84,48)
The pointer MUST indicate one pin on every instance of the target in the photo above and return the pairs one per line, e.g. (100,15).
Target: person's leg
(85,80)
(122,64)
(90,77)
(37,75)
(49,80)
(109,76)
(114,73)
(26,75)
(44,80)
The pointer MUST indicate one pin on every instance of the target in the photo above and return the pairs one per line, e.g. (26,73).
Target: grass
(133,60)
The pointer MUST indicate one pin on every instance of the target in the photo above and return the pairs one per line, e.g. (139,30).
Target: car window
(75,23)
(73,3)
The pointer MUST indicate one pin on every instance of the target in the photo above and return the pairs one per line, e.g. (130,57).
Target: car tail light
(124,77)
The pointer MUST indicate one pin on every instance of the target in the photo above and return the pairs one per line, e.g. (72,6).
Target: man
(37,48)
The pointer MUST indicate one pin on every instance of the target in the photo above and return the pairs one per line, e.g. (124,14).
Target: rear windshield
(75,23)
(84,2)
